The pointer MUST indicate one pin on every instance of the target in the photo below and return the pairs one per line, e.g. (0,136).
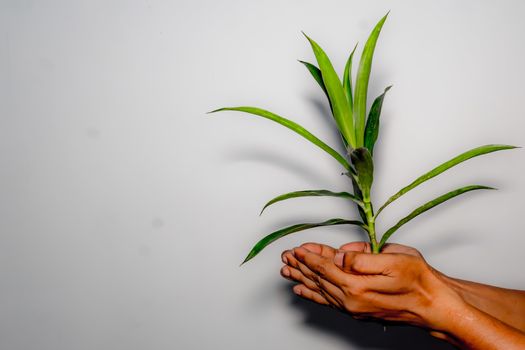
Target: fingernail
(338,258)
(285,259)
(286,271)
(297,291)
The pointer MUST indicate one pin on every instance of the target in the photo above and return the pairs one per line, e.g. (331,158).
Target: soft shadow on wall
(362,334)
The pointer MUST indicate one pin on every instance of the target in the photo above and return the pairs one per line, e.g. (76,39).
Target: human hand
(396,285)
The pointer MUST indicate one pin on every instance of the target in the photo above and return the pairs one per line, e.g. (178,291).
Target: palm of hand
(397,285)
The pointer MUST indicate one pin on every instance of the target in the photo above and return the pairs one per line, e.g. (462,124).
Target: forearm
(470,328)
(506,305)
(404,288)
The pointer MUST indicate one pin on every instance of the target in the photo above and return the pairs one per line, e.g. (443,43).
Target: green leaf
(428,206)
(372,123)
(316,73)
(312,193)
(292,126)
(295,228)
(341,109)
(347,80)
(364,166)
(361,86)
(478,151)
(318,76)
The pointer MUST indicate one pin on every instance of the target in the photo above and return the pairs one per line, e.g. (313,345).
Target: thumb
(362,263)
(363,247)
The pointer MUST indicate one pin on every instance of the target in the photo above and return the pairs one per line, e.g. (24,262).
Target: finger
(363,247)
(286,256)
(439,335)
(331,292)
(364,263)
(303,290)
(445,337)
(297,275)
(320,249)
(321,285)
(299,272)
(376,272)
(289,259)
(322,267)
(309,294)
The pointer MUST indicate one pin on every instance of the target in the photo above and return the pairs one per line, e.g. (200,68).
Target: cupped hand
(396,285)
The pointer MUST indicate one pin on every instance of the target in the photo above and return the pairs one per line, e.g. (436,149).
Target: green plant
(359,134)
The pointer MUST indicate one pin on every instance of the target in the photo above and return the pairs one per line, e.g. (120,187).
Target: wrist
(454,314)
(453,283)
(466,290)
(445,302)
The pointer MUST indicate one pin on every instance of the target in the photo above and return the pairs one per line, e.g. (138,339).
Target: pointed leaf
(364,166)
(295,228)
(428,206)
(341,109)
(318,76)
(372,123)
(361,86)
(478,151)
(316,73)
(312,193)
(347,80)
(292,126)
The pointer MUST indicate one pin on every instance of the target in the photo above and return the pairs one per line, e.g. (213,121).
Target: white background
(125,210)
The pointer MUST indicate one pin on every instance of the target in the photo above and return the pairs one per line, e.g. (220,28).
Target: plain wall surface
(125,210)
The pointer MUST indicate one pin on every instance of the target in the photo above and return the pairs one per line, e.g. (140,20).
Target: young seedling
(359,132)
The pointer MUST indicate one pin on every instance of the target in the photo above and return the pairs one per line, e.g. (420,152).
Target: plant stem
(370,219)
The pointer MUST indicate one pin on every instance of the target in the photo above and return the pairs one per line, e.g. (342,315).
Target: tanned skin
(399,285)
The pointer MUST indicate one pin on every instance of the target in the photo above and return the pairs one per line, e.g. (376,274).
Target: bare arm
(397,286)
(507,305)
(471,328)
